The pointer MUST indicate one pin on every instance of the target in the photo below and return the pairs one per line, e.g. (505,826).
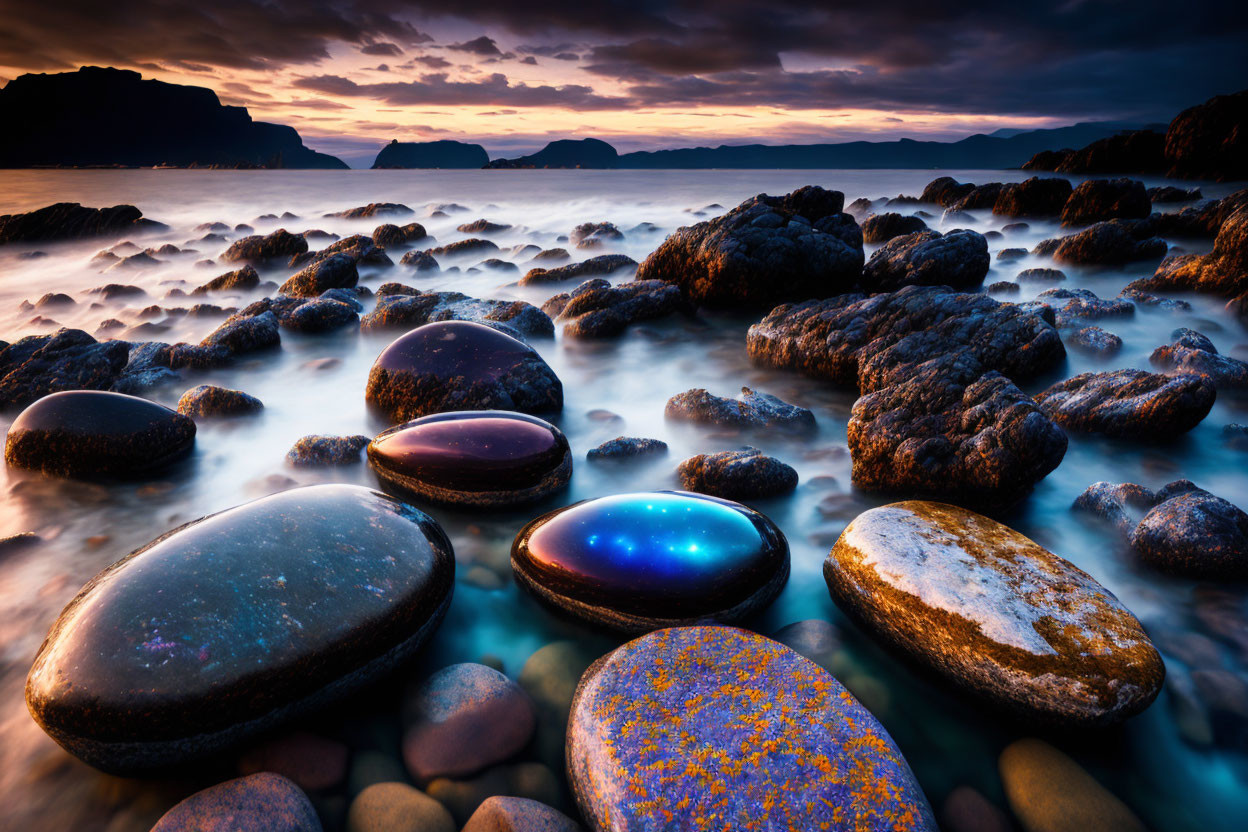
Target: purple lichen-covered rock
(754,733)
(747,474)
(994,614)
(1132,404)
(463,718)
(750,410)
(263,802)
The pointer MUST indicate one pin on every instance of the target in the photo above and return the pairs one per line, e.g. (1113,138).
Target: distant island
(566,153)
(440,154)
(103,117)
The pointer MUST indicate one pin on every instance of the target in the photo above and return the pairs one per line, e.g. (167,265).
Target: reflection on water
(315,384)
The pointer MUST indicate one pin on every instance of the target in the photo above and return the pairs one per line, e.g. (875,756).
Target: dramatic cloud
(381,48)
(495,90)
(483,46)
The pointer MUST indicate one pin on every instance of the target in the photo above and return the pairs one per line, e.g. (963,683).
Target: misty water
(1158,763)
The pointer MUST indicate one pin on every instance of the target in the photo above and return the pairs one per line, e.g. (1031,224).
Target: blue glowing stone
(239,622)
(636,562)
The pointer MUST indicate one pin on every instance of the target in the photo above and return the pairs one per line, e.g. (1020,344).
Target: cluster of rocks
(596,309)
(402,307)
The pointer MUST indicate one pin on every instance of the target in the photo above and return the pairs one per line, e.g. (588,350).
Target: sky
(351,75)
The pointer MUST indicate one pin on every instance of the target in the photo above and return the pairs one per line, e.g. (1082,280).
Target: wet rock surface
(1049,791)
(388,234)
(1129,404)
(1096,340)
(1109,243)
(458,365)
(635,562)
(928,258)
(1034,197)
(404,307)
(334,583)
(318,450)
(750,410)
(1191,353)
(280,245)
(70,359)
(373,209)
(881,228)
(89,433)
(474,458)
(628,447)
(766,250)
(244,279)
(335,272)
(321,314)
(209,400)
(71,221)
(596,309)
(1106,199)
(1223,271)
(603,264)
(747,474)
(994,614)
(712,696)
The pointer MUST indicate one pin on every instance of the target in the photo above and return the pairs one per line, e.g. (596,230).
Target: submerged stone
(994,614)
(477,458)
(719,728)
(459,365)
(636,562)
(239,622)
(95,433)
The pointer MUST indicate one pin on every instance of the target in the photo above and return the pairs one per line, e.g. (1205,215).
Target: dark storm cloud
(381,48)
(483,46)
(494,90)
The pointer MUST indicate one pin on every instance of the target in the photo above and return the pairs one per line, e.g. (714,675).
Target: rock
(596,309)
(1139,151)
(1082,305)
(71,221)
(318,450)
(628,447)
(483,226)
(336,585)
(421,261)
(553,255)
(1036,197)
(335,272)
(264,802)
(482,459)
(966,810)
(1095,339)
(412,308)
(397,807)
(69,359)
(358,248)
(1049,792)
(1223,271)
(116,291)
(1041,276)
(636,562)
(1009,255)
(766,250)
(320,315)
(603,264)
(280,245)
(244,279)
(980,198)
(594,234)
(54,300)
(950,432)
(945,191)
(516,814)
(1129,404)
(373,209)
(532,781)
(750,410)
(761,733)
(1003,287)
(208,400)
(876,341)
(90,433)
(1169,193)
(496,265)
(463,718)
(883,227)
(389,235)
(993,614)
(1207,141)
(1109,243)
(458,365)
(1106,199)
(550,677)
(1193,354)
(928,258)
(312,762)
(463,248)
(746,474)
(244,332)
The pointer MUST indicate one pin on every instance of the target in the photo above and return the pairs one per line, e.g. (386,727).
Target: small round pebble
(262,802)
(397,807)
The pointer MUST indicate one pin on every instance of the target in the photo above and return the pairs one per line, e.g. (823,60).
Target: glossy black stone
(638,562)
(460,365)
(474,458)
(89,433)
(239,622)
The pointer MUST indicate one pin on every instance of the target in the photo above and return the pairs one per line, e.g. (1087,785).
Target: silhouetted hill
(440,154)
(103,116)
(566,153)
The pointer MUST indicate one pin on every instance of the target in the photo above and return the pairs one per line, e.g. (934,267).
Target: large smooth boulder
(209,400)
(517,814)
(246,619)
(92,433)
(459,365)
(1129,404)
(688,728)
(1106,199)
(244,279)
(636,562)
(928,258)
(994,614)
(766,250)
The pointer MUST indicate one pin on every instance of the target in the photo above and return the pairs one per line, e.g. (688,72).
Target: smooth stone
(518,814)
(80,433)
(1049,792)
(209,400)
(747,474)
(246,619)
(481,458)
(462,798)
(636,562)
(1192,532)
(994,614)
(320,450)
(715,728)
(550,677)
(262,802)
(460,365)
(397,807)
(463,718)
